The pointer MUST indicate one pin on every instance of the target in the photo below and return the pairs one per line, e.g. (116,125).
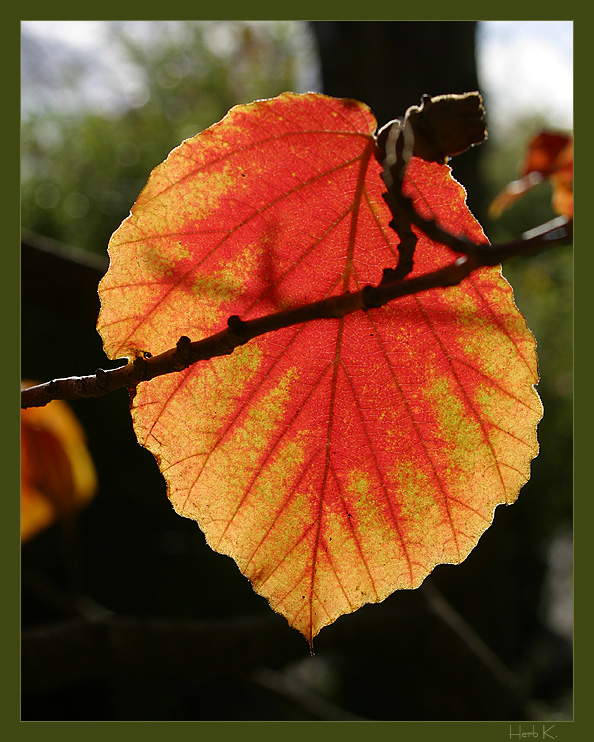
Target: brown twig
(553,234)
(439,128)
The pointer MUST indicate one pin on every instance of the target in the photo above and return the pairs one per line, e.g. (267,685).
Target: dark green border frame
(287,731)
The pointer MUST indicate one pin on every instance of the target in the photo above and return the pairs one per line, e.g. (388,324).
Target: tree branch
(556,233)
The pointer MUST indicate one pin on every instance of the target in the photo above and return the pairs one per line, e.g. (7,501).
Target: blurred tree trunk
(390,64)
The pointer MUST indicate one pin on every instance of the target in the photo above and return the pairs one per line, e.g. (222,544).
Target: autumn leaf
(338,460)
(549,156)
(57,472)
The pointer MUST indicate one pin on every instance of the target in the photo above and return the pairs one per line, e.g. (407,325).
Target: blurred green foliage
(543,291)
(82,170)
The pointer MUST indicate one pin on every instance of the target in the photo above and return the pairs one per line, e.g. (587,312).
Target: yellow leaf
(57,472)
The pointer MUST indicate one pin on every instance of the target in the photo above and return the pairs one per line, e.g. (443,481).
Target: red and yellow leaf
(338,460)
(549,155)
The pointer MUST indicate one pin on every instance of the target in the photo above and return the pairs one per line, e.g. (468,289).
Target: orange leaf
(57,472)
(549,155)
(339,460)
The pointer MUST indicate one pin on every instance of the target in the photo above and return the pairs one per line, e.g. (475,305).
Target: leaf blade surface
(339,460)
